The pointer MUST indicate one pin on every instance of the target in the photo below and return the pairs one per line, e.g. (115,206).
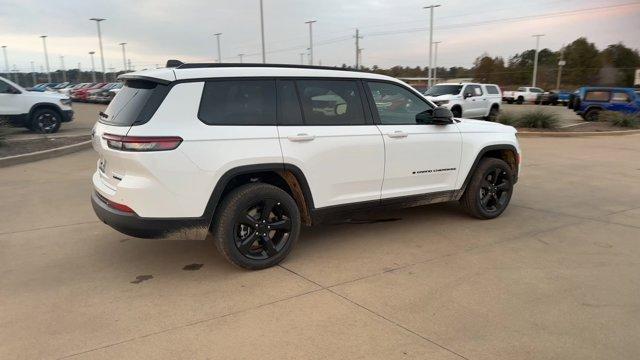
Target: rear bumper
(134,225)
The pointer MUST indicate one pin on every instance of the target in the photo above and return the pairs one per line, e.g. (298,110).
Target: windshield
(135,103)
(438,90)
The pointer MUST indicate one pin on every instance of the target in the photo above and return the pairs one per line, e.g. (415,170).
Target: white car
(468,100)
(43,112)
(252,152)
(522,95)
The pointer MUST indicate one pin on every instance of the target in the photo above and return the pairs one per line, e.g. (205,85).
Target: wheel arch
(288,177)
(506,152)
(44,105)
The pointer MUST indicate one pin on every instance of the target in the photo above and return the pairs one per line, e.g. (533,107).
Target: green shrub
(507,118)
(538,119)
(621,119)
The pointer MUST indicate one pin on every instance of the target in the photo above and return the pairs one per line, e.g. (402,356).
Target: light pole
(310,22)
(240,56)
(435,62)
(218,41)
(93,67)
(124,56)
(358,37)
(33,73)
(46,56)
(6,61)
(535,59)
(98,20)
(64,71)
(561,63)
(430,7)
(262,33)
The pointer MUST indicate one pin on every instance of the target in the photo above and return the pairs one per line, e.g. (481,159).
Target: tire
(489,192)
(493,114)
(256,245)
(456,111)
(520,100)
(46,121)
(592,115)
(510,101)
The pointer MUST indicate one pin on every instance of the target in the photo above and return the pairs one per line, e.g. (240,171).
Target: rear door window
(238,102)
(135,103)
(331,102)
(597,96)
(289,112)
(493,90)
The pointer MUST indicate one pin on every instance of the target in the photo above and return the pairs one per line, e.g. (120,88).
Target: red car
(82,94)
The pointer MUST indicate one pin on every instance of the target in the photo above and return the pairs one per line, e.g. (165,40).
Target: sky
(393,32)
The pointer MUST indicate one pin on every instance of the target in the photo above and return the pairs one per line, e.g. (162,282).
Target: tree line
(585,64)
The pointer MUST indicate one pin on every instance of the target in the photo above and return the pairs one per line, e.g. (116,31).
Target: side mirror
(467,95)
(437,116)
(12,90)
(442,116)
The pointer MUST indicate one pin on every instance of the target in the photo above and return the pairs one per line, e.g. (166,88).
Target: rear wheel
(493,114)
(592,115)
(46,121)
(490,189)
(520,100)
(257,225)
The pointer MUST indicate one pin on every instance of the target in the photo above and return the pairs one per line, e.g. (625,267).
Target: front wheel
(46,121)
(592,115)
(457,112)
(257,225)
(493,114)
(490,189)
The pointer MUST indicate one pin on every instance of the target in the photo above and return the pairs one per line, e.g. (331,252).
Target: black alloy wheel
(46,121)
(262,230)
(495,190)
(256,225)
(490,189)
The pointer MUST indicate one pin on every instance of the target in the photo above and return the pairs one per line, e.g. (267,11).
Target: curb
(44,154)
(575,133)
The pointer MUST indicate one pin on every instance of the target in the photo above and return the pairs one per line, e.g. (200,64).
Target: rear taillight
(115,205)
(141,143)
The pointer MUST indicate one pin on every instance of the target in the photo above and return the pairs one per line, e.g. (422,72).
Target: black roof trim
(248,65)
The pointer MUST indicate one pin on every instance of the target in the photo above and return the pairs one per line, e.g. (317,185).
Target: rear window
(238,102)
(135,104)
(597,96)
(492,90)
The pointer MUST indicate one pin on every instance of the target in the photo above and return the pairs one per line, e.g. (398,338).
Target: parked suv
(522,95)
(468,100)
(252,152)
(43,112)
(593,100)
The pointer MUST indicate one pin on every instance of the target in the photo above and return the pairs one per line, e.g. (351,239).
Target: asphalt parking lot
(555,277)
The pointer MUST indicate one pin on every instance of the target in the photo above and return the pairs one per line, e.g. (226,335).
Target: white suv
(468,100)
(252,152)
(43,112)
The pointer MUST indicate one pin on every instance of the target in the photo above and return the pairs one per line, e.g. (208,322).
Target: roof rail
(291,66)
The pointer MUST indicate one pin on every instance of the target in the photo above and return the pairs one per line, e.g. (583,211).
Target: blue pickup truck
(589,102)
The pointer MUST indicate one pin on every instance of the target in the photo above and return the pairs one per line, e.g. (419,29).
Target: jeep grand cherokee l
(251,152)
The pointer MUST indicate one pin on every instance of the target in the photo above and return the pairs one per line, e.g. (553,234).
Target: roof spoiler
(173,63)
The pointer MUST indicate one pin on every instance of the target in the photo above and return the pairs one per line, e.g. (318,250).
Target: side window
(396,105)
(331,102)
(536,90)
(597,96)
(289,112)
(493,90)
(238,102)
(620,97)
(4,87)
(477,90)
(521,89)
(472,90)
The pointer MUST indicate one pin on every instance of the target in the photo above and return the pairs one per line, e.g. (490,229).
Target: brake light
(115,205)
(141,143)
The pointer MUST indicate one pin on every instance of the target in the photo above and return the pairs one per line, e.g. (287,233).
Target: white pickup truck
(523,94)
